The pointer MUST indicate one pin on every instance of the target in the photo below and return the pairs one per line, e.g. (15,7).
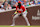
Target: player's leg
(26,19)
(24,13)
(13,24)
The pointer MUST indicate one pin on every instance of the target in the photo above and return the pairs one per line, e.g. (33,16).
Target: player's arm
(15,12)
(23,9)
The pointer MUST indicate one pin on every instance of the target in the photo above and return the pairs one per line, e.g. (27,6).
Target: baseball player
(20,10)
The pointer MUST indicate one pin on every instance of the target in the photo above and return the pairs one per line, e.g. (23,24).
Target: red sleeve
(16,7)
(23,9)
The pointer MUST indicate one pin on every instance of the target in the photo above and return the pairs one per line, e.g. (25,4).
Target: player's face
(19,4)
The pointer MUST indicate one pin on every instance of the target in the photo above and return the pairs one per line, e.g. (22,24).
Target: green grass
(18,26)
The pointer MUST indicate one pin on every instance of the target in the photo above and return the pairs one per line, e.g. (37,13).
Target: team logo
(36,17)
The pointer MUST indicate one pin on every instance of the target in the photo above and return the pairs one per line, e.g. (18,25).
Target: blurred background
(6,17)
(11,4)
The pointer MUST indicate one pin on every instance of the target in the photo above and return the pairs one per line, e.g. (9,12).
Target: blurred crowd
(11,4)
(7,5)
